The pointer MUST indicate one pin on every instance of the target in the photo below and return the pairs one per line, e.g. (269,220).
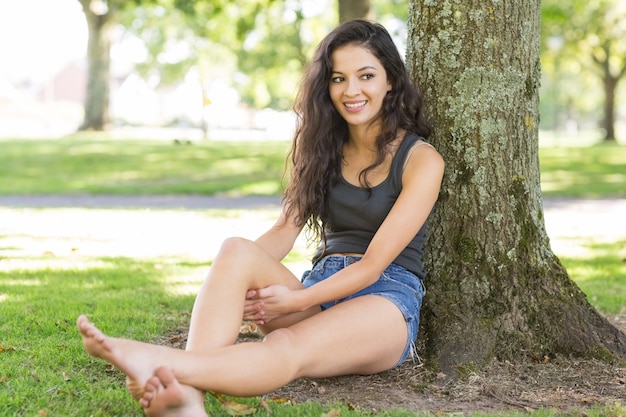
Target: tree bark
(353,9)
(495,288)
(100,26)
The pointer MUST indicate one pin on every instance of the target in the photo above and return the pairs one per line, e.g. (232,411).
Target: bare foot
(164,396)
(137,360)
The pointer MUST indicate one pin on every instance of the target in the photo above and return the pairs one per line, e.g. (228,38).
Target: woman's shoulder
(421,152)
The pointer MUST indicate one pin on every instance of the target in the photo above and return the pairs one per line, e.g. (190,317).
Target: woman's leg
(364,335)
(240,265)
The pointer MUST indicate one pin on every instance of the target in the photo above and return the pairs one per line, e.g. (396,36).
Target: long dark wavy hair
(316,153)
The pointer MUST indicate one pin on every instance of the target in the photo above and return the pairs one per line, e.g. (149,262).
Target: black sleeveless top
(356,215)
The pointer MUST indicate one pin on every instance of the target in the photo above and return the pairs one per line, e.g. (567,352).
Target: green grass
(42,363)
(93,164)
(584,172)
(44,369)
(601,275)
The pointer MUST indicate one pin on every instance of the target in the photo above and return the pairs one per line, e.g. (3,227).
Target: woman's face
(358,85)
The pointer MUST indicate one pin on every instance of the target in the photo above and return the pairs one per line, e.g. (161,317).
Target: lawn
(583,172)
(45,371)
(85,164)
(43,368)
(92,165)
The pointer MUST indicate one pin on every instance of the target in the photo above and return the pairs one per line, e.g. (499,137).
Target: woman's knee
(285,341)
(234,249)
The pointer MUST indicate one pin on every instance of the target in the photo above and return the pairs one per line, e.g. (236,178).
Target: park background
(82,214)
(165,73)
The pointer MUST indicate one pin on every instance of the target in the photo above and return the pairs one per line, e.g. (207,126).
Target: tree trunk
(610,86)
(495,289)
(100,27)
(609,82)
(353,9)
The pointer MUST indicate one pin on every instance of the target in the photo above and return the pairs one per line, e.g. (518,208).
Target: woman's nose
(352,87)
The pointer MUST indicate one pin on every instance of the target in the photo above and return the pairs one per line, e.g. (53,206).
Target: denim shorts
(398,285)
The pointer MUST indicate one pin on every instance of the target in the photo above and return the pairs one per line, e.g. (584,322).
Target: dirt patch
(560,383)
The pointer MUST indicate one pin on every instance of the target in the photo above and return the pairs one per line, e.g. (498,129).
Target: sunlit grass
(594,171)
(43,368)
(93,164)
(601,275)
(45,371)
(96,165)
(42,363)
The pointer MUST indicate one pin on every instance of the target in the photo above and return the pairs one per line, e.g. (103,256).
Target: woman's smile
(355,106)
(358,85)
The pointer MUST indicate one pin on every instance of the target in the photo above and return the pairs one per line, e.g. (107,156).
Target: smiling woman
(358,86)
(363,180)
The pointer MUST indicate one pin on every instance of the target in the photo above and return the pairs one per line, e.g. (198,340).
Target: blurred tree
(495,288)
(264,45)
(354,9)
(102,16)
(595,29)
(275,52)
(259,47)
(177,37)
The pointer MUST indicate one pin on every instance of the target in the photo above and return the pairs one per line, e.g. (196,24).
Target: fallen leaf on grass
(234,408)
(282,400)
(4,378)
(545,359)
(589,400)
(66,377)
(42,412)
(63,324)
(332,413)
(7,349)
(264,406)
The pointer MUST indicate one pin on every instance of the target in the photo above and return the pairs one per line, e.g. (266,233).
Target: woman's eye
(367,76)
(336,79)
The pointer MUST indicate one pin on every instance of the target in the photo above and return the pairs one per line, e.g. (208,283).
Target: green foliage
(259,47)
(275,53)
(582,53)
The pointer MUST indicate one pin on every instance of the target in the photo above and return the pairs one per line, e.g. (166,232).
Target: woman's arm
(280,238)
(421,181)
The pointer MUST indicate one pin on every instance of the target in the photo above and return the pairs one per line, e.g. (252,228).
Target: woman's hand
(253,308)
(266,304)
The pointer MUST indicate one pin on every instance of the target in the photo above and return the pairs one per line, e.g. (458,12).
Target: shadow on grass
(43,367)
(601,275)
